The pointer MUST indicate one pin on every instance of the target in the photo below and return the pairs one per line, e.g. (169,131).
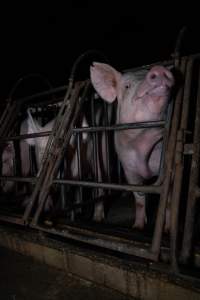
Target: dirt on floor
(23,278)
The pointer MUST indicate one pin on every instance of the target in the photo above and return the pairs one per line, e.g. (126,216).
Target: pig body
(142,97)
(7,166)
(8,157)
(86,149)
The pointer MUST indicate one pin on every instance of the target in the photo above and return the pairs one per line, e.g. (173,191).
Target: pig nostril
(153,76)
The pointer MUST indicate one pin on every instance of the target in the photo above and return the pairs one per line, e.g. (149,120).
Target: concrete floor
(23,278)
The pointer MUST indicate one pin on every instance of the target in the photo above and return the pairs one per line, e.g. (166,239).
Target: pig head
(142,96)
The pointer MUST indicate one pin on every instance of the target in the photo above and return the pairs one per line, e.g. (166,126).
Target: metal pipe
(152,189)
(18,179)
(169,159)
(193,184)
(93,129)
(177,183)
(100,240)
(69,114)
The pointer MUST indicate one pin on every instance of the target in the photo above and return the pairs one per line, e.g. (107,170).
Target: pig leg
(167,216)
(140,211)
(99,212)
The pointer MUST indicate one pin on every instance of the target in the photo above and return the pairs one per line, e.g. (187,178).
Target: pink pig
(142,96)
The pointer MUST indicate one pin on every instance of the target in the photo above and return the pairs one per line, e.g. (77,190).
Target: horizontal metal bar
(25,136)
(116,127)
(101,240)
(152,189)
(18,179)
(11,219)
(46,93)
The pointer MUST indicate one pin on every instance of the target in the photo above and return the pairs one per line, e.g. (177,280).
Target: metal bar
(64,108)
(100,240)
(80,194)
(177,185)
(38,95)
(193,184)
(63,187)
(64,132)
(18,179)
(169,159)
(94,144)
(106,123)
(94,129)
(152,189)
(139,125)
(12,219)
(146,189)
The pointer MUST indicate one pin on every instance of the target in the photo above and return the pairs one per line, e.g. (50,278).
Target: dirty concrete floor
(23,278)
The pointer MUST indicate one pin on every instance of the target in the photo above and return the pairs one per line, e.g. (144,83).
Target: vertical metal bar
(63,187)
(175,199)
(56,129)
(62,133)
(119,171)
(94,143)
(169,159)
(80,194)
(193,184)
(106,133)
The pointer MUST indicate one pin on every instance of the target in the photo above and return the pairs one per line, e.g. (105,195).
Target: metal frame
(168,186)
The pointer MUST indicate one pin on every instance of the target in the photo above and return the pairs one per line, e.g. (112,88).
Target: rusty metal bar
(94,144)
(90,129)
(193,185)
(64,132)
(107,139)
(152,189)
(177,185)
(18,179)
(169,160)
(64,108)
(100,240)
(80,194)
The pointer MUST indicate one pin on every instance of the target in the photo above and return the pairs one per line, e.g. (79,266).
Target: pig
(141,96)
(7,166)
(8,157)
(86,149)
(28,126)
(40,144)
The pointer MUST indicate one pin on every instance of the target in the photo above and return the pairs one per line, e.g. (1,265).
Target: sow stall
(71,218)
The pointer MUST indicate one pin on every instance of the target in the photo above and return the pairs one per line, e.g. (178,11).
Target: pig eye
(127,85)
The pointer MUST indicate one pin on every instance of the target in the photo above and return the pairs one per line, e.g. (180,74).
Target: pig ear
(32,127)
(105,80)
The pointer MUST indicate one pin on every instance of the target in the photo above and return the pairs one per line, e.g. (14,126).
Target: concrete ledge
(130,278)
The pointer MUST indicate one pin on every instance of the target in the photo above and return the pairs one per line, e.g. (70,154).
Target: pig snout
(158,82)
(159,76)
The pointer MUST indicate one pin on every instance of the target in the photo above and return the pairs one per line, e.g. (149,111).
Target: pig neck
(136,145)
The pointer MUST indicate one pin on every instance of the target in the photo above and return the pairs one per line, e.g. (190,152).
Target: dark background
(47,38)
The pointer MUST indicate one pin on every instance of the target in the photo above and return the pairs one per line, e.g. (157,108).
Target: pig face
(142,96)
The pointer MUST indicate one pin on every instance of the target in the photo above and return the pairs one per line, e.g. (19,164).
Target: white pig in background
(142,96)
(7,166)
(39,142)
(8,157)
